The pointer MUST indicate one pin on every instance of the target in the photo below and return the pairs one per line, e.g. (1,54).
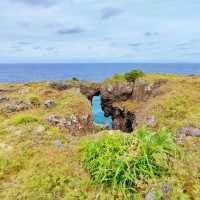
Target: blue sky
(99,31)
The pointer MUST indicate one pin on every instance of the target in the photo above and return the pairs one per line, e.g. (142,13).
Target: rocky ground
(43,126)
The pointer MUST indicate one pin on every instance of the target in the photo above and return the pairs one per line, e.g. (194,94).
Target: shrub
(34,101)
(133,75)
(75,79)
(121,160)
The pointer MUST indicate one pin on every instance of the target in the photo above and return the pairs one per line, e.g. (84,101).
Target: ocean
(11,73)
(87,71)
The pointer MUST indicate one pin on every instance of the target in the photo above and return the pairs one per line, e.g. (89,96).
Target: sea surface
(87,71)
(10,73)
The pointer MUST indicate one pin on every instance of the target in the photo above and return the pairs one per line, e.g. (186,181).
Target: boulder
(40,130)
(76,125)
(190,131)
(3,99)
(150,121)
(16,106)
(49,103)
(55,120)
(9,90)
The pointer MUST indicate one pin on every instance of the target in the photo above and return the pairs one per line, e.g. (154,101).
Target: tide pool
(98,114)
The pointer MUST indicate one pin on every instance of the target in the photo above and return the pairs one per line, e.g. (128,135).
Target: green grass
(120,161)
(24,119)
(108,166)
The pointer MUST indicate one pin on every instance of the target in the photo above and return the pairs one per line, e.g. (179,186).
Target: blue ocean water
(87,71)
(98,114)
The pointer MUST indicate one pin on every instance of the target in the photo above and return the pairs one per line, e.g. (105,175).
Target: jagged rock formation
(87,88)
(75,124)
(16,107)
(122,91)
(123,118)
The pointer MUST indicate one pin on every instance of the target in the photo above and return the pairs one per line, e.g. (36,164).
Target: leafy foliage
(133,75)
(121,160)
(34,101)
(75,79)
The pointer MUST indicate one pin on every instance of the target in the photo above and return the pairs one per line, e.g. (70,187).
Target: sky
(99,31)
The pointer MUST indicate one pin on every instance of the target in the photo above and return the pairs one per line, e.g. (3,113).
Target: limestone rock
(40,129)
(59,144)
(190,131)
(8,90)
(76,125)
(16,106)
(49,103)
(149,196)
(150,121)
(3,99)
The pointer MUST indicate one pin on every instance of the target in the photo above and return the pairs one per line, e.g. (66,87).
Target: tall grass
(120,161)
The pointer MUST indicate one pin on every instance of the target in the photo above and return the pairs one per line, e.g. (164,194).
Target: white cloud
(158,26)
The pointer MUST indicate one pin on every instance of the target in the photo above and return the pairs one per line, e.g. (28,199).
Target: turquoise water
(98,114)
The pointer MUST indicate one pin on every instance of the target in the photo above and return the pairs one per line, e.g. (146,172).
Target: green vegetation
(120,161)
(34,101)
(75,79)
(115,79)
(133,75)
(23,119)
(43,162)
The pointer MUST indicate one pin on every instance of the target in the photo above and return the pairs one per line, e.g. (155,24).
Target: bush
(34,101)
(133,75)
(75,79)
(120,160)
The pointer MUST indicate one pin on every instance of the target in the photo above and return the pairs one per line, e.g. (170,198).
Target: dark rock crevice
(123,119)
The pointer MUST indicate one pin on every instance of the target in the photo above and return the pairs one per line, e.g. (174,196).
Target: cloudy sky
(99,31)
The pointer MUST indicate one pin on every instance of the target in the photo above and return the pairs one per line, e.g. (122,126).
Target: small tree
(133,75)
(75,79)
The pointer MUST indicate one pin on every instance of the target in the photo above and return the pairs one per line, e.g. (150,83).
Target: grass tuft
(120,161)
(24,119)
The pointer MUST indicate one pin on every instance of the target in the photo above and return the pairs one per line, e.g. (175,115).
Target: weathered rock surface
(124,119)
(49,103)
(190,131)
(16,106)
(87,88)
(9,90)
(150,121)
(3,99)
(75,124)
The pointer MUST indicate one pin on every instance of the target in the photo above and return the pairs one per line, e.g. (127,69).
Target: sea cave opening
(98,113)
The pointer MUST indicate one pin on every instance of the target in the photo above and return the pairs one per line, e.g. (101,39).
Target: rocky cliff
(121,92)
